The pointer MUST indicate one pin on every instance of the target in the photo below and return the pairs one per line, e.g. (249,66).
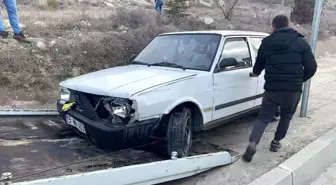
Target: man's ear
(273,28)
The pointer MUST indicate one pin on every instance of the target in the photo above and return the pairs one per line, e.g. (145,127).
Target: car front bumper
(108,134)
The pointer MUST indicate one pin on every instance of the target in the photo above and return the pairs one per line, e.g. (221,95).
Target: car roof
(221,32)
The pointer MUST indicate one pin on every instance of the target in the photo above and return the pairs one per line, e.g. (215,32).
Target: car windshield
(187,51)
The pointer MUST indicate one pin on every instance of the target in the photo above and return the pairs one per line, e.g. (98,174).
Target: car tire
(179,132)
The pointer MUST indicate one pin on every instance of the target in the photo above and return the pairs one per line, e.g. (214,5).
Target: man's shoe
(20,37)
(4,34)
(275,146)
(250,151)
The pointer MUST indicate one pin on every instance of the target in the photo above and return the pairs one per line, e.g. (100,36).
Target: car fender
(181,101)
(200,117)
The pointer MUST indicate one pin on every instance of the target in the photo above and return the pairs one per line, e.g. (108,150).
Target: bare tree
(227,8)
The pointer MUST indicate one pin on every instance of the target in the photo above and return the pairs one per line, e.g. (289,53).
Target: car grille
(89,105)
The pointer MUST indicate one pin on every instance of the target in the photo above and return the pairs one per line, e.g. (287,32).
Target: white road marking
(30,125)
(51,123)
(30,141)
(8,128)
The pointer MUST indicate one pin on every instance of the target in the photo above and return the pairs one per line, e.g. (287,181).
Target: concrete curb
(305,166)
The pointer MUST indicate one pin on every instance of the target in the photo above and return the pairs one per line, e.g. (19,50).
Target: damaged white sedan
(181,83)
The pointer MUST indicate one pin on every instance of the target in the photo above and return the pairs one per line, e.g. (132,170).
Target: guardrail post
(174,155)
(6,178)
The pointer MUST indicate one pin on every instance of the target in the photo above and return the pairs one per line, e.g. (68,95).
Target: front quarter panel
(161,100)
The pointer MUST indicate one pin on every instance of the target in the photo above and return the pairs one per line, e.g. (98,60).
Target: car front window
(188,51)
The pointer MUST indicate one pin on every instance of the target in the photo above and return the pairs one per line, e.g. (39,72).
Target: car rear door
(234,90)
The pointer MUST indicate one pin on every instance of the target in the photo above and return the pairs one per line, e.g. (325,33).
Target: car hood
(124,81)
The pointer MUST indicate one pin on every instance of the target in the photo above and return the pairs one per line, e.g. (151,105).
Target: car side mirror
(227,62)
(132,58)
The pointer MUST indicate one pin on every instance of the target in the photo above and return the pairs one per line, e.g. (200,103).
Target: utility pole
(313,40)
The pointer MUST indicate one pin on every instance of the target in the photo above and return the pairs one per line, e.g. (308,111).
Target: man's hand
(253,75)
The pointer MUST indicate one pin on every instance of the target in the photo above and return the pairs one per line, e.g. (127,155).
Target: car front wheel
(179,132)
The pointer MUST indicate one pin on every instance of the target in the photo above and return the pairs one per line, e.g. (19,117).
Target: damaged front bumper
(109,134)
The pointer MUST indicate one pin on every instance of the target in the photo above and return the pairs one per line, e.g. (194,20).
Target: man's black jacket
(287,59)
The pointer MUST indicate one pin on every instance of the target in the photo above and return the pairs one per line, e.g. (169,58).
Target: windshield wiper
(141,63)
(168,64)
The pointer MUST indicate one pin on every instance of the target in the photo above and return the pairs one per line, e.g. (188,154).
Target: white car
(181,83)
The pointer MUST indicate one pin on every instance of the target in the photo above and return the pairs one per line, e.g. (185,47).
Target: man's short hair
(280,21)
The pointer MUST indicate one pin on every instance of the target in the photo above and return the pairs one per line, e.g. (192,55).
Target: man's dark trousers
(288,102)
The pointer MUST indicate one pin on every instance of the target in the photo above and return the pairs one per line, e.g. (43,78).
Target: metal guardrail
(142,174)
(28,112)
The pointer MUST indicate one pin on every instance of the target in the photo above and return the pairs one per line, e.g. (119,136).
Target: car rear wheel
(179,132)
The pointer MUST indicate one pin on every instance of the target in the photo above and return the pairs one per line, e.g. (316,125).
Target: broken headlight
(121,110)
(65,94)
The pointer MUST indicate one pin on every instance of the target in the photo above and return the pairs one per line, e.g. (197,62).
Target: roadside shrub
(176,9)
(134,18)
(52,4)
(75,50)
(131,31)
(303,11)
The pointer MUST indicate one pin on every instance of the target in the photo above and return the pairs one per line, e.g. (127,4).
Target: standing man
(288,62)
(13,20)
(158,6)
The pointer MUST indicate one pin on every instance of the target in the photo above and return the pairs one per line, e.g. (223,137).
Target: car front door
(234,90)
(255,43)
